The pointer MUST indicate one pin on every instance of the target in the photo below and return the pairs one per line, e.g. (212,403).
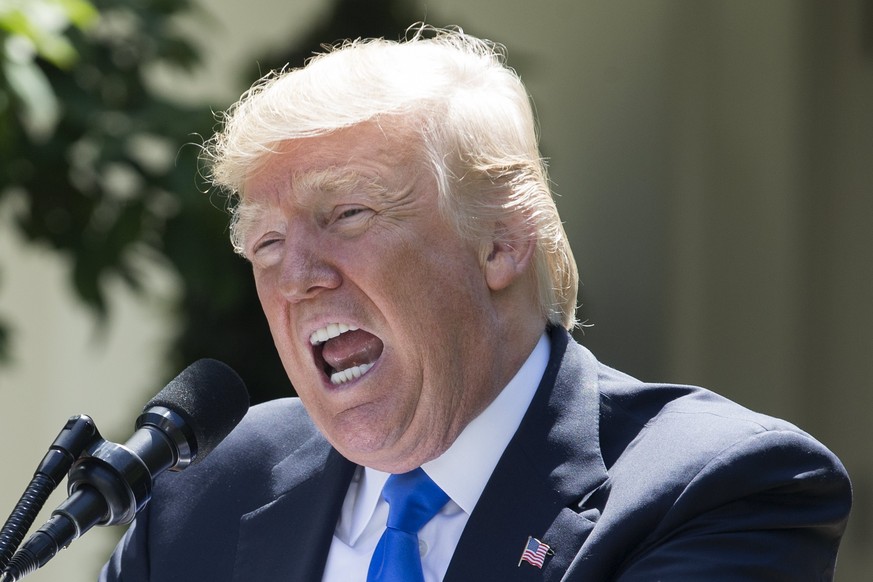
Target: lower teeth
(349,373)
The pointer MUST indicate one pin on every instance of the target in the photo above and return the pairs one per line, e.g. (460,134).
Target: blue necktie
(413,500)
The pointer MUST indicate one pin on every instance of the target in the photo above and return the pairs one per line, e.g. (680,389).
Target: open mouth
(344,352)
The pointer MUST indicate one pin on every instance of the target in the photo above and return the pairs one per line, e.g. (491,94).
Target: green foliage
(98,162)
(85,139)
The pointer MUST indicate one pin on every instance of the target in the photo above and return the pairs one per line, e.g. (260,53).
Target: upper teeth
(331,331)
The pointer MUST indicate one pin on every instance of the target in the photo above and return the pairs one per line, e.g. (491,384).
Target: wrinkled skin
(347,231)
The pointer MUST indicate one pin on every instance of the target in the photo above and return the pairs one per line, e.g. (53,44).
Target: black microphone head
(211,397)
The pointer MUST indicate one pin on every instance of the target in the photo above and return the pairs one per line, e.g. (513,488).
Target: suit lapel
(539,485)
(289,537)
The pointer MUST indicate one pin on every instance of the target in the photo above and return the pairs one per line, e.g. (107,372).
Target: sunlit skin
(348,231)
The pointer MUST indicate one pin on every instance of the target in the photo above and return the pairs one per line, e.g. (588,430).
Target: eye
(263,244)
(346,213)
(349,216)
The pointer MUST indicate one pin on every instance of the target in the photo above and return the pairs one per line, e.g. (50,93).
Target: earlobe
(508,258)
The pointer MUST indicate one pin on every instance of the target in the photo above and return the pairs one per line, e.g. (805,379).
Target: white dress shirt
(462,472)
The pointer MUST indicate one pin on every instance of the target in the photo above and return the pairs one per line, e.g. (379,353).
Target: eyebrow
(337,181)
(329,181)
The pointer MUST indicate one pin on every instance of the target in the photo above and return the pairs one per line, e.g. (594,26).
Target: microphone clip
(123,474)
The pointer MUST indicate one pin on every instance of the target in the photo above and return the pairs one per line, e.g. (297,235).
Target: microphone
(111,483)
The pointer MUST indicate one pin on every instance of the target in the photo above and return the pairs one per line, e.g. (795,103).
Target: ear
(508,256)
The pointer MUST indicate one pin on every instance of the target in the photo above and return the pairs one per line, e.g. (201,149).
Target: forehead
(365,157)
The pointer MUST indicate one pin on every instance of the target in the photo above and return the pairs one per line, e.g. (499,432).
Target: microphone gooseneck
(78,433)
(110,483)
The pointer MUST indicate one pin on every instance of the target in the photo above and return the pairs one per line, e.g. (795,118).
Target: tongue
(352,348)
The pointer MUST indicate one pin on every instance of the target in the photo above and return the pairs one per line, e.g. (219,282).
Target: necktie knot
(413,500)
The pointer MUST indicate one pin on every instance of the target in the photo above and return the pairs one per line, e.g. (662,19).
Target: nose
(307,268)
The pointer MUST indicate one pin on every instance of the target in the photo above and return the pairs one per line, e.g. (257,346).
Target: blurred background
(713,162)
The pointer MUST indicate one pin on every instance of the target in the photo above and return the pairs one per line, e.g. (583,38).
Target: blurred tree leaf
(43,24)
(99,161)
(40,108)
(37,30)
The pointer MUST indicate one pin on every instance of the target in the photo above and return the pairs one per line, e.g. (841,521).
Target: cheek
(269,296)
(275,311)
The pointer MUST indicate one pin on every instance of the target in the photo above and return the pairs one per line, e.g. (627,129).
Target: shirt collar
(464,469)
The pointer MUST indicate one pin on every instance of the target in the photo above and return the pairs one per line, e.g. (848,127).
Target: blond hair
(472,112)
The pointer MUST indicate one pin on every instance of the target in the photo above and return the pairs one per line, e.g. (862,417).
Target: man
(420,288)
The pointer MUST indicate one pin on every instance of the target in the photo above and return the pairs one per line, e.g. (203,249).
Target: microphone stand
(78,434)
(108,484)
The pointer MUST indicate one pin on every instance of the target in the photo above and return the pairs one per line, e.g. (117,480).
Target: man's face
(380,312)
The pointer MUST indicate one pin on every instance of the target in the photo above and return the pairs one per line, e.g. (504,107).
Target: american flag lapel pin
(535,552)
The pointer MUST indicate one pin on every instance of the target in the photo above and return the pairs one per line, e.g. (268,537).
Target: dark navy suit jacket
(624,480)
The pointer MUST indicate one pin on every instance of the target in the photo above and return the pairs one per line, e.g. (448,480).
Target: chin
(374,450)
(361,441)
